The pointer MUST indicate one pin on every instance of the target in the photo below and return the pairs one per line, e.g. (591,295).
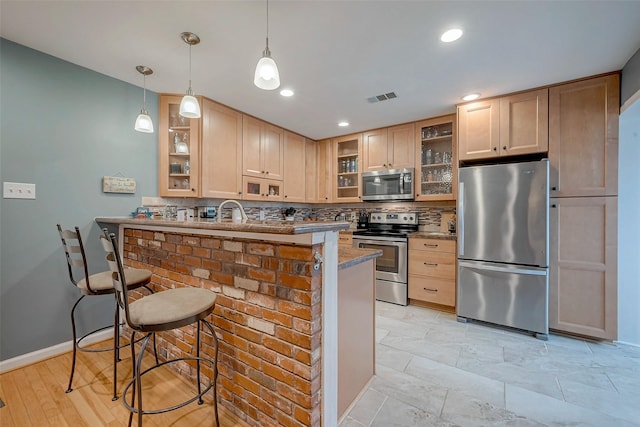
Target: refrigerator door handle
(461,218)
(519,270)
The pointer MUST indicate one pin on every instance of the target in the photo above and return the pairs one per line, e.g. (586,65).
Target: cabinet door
(272,153)
(346,178)
(583,137)
(294,172)
(311,171)
(401,146)
(583,261)
(261,189)
(325,177)
(436,160)
(478,130)
(221,151)
(374,150)
(178,150)
(524,123)
(252,147)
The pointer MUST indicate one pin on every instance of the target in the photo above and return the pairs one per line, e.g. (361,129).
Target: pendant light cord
(189,67)
(144,92)
(267,24)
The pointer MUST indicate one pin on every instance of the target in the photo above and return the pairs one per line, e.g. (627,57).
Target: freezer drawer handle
(430,290)
(430,245)
(503,269)
(430,264)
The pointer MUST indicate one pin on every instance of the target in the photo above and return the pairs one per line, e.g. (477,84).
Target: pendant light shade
(266,76)
(143,121)
(189,106)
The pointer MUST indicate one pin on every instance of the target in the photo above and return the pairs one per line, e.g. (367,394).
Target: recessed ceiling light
(286,92)
(451,35)
(471,97)
(343,124)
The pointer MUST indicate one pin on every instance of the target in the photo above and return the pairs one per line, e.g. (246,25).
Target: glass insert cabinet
(178,150)
(347,167)
(436,159)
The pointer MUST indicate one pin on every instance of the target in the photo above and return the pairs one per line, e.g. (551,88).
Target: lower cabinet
(345,239)
(583,266)
(432,271)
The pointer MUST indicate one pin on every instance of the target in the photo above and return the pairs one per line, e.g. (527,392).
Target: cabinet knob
(239,192)
(261,171)
(267,172)
(554,189)
(390,165)
(504,148)
(193,189)
(285,196)
(554,205)
(385,165)
(495,148)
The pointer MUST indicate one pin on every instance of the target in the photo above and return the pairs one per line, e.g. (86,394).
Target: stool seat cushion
(173,305)
(102,281)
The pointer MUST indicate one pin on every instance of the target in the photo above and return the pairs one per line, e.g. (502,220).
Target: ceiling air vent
(382,97)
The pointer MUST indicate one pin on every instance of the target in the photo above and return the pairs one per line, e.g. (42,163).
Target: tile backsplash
(429,214)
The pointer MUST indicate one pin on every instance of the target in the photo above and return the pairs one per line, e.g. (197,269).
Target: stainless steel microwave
(390,184)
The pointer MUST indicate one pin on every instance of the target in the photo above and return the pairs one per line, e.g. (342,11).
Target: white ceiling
(334,54)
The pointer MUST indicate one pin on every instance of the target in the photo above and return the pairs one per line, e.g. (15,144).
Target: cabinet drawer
(345,239)
(432,264)
(437,291)
(434,245)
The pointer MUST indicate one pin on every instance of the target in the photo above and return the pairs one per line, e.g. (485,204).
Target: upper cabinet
(583,137)
(347,164)
(325,171)
(507,126)
(311,171)
(388,148)
(221,175)
(262,149)
(294,172)
(178,150)
(435,159)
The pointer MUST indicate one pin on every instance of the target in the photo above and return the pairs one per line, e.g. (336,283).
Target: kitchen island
(277,313)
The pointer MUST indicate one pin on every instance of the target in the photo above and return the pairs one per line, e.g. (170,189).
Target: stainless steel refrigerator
(503,245)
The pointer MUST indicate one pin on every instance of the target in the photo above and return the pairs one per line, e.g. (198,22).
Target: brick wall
(268,319)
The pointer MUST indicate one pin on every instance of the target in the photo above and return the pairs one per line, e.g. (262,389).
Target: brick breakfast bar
(276,316)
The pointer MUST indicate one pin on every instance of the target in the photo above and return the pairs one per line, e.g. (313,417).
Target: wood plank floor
(35,395)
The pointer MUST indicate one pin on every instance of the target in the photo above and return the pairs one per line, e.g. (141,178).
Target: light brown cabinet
(263,189)
(436,159)
(178,150)
(583,137)
(325,171)
(583,266)
(294,171)
(347,164)
(262,149)
(311,171)
(507,126)
(345,239)
(432,271)
(221,171)
(583,157)
(388,148)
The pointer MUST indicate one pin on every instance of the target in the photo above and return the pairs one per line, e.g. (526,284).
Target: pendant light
(189,106)
(267,76)
(144,122)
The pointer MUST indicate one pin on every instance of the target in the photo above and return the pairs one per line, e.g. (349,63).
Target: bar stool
(93,285)
(161,311)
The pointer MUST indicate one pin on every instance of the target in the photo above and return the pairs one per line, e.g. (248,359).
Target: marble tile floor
(434,371)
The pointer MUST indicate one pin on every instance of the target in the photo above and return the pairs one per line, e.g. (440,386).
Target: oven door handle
(379,239)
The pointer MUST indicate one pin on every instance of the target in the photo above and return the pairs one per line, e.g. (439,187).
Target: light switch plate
(19,190)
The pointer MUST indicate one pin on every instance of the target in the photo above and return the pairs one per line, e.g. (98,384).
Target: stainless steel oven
(388,232)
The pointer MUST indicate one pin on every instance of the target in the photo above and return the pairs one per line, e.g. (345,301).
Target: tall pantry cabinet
(583,157)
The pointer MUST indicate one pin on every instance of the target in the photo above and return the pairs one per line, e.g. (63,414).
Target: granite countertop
(274,227)
(348,257)
(438,235)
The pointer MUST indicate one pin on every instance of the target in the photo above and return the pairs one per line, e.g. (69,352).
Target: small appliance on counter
(363,220)
(207,212)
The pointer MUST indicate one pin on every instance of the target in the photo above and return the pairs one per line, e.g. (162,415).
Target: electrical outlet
(18,190)
(261,214)
(353,216)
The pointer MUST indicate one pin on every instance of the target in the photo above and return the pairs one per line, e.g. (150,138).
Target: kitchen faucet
(244,216)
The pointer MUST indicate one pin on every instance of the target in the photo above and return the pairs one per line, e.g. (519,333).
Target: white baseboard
(630,344)
(46,353)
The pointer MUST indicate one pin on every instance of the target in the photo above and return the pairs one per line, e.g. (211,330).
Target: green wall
(62,127)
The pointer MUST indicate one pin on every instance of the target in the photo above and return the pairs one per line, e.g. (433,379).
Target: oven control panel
(394,218)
